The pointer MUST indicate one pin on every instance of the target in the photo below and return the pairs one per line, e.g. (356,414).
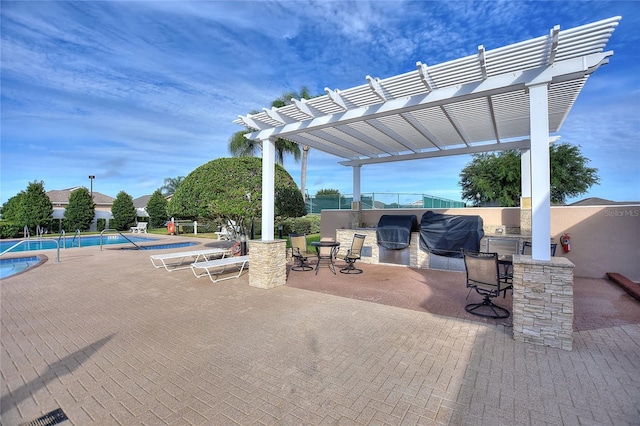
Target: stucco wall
(603,238)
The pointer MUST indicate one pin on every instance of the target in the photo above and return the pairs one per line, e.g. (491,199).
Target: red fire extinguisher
(565,240)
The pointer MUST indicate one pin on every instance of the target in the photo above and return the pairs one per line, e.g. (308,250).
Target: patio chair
(353,254)
(483,275)
(526,248)
(299,252)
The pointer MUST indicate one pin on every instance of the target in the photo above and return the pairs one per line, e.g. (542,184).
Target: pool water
(70,242)
(14,266)
(161,246)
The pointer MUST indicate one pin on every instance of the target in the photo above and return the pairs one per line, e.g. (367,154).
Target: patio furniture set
(326,253)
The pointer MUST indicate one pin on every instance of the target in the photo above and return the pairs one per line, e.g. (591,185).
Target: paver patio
(110,340)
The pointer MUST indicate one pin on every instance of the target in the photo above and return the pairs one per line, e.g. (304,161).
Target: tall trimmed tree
(81,210)
(231,189)
(124,212)
(35,207)
(157,209)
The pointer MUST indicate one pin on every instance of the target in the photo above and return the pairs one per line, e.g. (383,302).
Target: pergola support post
(525,199)
(268,257)
(542,287)
(356,204)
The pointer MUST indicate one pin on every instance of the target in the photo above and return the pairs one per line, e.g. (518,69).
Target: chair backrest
(298,243)
(142,225)
(357,244)
(483,270)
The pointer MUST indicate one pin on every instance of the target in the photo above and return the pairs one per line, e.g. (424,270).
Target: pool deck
(112,341)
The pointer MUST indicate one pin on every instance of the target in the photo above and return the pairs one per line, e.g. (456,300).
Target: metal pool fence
(380,200)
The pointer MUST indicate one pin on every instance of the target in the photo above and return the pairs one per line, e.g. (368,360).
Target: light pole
(91,178)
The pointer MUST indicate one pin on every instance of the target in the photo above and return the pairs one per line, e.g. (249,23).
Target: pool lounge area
(108,339)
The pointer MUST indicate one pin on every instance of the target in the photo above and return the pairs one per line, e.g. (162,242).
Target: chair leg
(350,268)
(302,265)
(494,311)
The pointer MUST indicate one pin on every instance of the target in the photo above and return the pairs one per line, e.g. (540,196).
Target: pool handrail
(63,237)
(76,234)
(121,234)
(27,241)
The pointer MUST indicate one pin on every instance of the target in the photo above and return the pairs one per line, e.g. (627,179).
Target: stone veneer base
(543,301)
(267,263)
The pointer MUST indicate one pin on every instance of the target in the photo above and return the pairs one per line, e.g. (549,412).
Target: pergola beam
(509,82)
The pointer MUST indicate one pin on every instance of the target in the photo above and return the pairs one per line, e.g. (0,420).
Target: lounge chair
(228,232)
(140,228)
(181,258)
(217,267)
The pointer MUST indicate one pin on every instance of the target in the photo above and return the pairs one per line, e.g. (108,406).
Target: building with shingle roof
(60,200)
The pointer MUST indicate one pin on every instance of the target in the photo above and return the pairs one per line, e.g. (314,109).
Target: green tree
(570,175)
(124,212)
(157,209)
(171,185)
(231,189)
(81,210)
(328,198)
(35,207)
(11,208)
(327,193)
(492,177)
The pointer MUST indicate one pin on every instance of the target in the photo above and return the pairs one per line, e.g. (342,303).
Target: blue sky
(135,92)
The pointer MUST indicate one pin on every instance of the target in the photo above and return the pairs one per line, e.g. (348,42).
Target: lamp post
(243,244)
(91,178)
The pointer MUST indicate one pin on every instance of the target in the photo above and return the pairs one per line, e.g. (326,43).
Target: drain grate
(52,418)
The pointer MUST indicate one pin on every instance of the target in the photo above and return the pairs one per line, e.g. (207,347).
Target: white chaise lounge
(140,228)
(229,232)
(216,267)
(175,261)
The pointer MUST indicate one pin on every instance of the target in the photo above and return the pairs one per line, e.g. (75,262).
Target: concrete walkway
(110,340)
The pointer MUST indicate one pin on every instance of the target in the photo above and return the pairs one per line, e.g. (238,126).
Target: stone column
(356,214)
(543,301)
(267,263)
(525,215)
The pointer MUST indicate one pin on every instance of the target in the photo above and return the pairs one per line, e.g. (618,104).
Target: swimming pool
(161,246)
(9,267)
(70,242)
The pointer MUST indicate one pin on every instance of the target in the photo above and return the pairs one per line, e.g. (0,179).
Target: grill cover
(447,235)
(394,231)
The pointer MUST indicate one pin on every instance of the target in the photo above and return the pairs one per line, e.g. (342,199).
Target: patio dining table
(327,255)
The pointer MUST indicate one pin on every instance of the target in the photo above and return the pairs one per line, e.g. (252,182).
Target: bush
(101,224)
(309,224)
(9,229)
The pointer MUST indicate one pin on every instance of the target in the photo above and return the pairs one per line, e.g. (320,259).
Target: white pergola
(512,97)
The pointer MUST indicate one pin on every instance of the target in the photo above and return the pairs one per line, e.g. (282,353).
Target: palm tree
(240,146)
(171,185)
(283,100)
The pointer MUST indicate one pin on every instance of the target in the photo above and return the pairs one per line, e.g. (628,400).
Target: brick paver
(111,340)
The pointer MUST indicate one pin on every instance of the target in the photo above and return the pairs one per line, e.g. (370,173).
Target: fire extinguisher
(565,240)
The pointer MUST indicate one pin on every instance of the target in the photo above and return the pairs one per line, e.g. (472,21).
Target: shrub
(309,224)
(9,229)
